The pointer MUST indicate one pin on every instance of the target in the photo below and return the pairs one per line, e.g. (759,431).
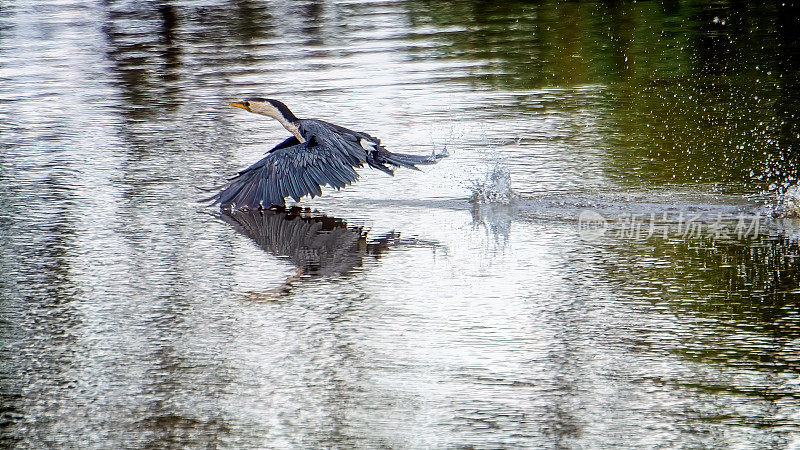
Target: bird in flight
(318,153)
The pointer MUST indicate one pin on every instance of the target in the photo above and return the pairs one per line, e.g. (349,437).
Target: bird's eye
(246,103)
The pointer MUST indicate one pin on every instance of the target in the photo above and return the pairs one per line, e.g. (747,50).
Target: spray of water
(492,199)
(789,202)
(494,187)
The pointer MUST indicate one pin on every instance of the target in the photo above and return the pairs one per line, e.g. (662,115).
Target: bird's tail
(380,158)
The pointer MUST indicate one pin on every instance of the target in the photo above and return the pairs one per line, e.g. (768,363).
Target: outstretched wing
(290,171)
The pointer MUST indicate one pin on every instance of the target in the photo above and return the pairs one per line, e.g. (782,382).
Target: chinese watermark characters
(592,225)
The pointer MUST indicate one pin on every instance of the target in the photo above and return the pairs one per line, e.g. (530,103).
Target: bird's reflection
(317,244)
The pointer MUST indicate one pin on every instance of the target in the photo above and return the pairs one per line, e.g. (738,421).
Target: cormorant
(318,153)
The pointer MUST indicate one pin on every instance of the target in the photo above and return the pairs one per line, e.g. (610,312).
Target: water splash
(494,187)
(789,202)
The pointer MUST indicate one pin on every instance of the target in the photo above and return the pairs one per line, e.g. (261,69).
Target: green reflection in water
(694,92)
(730,306)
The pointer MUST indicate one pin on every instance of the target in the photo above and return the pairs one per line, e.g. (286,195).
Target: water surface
(396,312)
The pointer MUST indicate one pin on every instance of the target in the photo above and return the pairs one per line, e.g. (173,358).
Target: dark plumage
(319,153)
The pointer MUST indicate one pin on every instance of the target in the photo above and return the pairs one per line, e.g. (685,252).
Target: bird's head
(267,107)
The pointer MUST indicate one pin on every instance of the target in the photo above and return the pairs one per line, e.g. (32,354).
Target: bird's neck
(293,127)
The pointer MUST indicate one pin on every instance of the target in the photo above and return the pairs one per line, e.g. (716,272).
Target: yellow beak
(239,105)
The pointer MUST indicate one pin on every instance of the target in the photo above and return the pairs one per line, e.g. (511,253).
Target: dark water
(620,280)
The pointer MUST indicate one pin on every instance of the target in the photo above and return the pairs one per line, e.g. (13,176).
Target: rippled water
(601,262)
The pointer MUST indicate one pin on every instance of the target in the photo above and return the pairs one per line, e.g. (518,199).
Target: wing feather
(293,171)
